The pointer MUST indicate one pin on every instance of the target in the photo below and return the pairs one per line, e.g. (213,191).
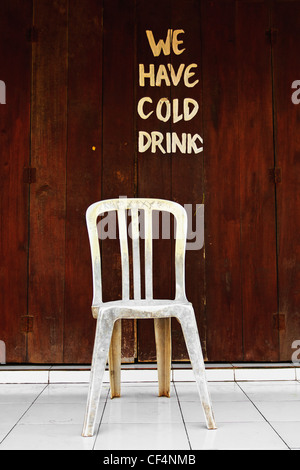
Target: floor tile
(234,411)
(160,411)
(47,437)
(253,373)
(69,376)
(24,376)
(16,393)
(235,436)
(289,431)
(141,392)
(159,436)
(249,415)
(55,413)
(10,413)
(139,375)
(280,410)
(5,428)
(220,374)
(68,393)
(223,374)
(219,391)
(271,391)
(263,365)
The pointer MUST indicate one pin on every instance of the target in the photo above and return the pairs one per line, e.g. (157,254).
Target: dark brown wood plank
(224,340)
(153,168)
(47,198)
(286,21)
(118,139)
(84,156)
(15,71)
(257,204)
(187,168)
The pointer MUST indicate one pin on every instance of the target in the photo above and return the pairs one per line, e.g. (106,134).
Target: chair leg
(190,332)
(104,330)
(162,328)
(115,360)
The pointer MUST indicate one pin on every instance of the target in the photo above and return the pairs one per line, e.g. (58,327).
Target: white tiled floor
(250,415)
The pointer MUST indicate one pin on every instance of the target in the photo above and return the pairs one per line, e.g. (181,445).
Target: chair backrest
(136,205)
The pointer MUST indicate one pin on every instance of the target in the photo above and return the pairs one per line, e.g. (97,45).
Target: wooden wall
(69,136)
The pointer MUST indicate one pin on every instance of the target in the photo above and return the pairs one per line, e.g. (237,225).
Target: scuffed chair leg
(115,360)
(190,331)
(162,328)
(104,330)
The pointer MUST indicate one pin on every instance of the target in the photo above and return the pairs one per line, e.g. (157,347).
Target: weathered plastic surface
(108,313)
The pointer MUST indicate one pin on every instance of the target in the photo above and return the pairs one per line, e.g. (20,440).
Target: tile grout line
(263,416)
(100,421)
(27,409)
(185,428)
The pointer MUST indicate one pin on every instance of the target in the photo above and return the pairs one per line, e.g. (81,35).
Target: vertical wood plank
(118,138)
(84,156)
(187,169)
(222,182)
(258,225)
(15,71)
(47,196)
(286,21)
(153,168)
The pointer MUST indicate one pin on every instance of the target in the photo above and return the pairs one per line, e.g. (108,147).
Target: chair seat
(154,308)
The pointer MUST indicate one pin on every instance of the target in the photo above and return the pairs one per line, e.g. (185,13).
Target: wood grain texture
(47,196)
(118,139)
(222,183)
(286,20)
(15,54)
(83,167)
(71,114)
(153,169)
(162,329)
(257,191)
(187,169)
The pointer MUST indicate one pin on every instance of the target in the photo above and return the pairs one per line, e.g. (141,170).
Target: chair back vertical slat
(136,253)
(148,254)
(91,219)
(122,220)
(180,246)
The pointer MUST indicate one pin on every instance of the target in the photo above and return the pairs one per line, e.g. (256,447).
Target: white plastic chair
(108,330)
